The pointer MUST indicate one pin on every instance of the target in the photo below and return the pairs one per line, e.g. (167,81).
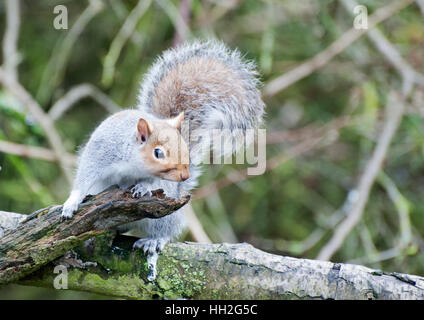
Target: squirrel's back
(214,86)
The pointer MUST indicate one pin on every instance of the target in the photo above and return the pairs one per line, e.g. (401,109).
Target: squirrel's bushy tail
(214,86)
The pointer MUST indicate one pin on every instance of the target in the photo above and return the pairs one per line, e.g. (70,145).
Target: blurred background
(345,125)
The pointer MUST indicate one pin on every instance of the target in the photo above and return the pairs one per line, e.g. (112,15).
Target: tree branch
(106,264)
(43,236)
(220,271)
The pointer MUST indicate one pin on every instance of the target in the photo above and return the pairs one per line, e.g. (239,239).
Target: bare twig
(390,52)
(393,117)
(121,38)
(195,226)
(80,92)
(293,247)
(338,46)
(10,41)
(310,131)
(175,15)
(402,206)
(221,8)
(404,241)
(121,11)
(56,67)
(34,152)
(184,12)
(41,117)
(379,256)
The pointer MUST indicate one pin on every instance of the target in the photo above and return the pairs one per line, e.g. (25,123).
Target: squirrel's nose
(184,175)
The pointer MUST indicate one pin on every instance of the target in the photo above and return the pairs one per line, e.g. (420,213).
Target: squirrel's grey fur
(219,107)
(214,86)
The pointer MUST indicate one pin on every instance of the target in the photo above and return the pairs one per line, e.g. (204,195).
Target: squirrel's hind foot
(151,247)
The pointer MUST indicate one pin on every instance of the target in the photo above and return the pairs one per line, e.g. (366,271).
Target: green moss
(57,248)
(180,279)
(122,272)
(125,286)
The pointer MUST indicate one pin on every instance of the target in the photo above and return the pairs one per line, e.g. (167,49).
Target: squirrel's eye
(159,153)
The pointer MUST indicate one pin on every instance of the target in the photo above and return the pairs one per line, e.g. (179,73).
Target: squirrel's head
(163,150)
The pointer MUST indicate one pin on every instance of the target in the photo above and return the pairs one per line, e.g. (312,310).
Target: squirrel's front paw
(68,210)
(150,245)
(70,206)
(139,191)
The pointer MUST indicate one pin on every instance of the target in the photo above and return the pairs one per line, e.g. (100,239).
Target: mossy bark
(222,271)
(44,236)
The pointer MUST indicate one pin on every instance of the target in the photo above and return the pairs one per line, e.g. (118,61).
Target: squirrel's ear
(144,129)
(177,121)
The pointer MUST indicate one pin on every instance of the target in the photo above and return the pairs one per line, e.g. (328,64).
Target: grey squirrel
(205,83)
